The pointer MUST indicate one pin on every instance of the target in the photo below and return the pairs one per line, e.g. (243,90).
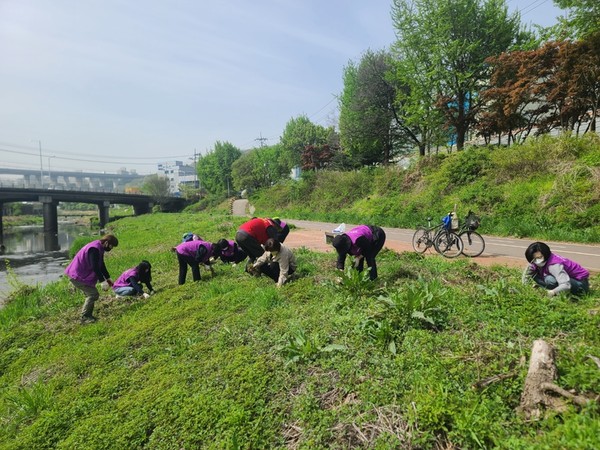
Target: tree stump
(539,384)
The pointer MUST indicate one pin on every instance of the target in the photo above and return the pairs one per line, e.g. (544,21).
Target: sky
(106,85)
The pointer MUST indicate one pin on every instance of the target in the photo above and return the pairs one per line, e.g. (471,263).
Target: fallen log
(539,384)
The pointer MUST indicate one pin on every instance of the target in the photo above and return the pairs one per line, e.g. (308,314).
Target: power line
(119,157)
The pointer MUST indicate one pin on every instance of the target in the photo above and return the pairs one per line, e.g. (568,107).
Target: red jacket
(257,228)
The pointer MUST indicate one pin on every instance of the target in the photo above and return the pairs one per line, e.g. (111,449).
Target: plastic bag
(340,229)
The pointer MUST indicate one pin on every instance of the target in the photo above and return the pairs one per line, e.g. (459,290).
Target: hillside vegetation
(432,355)
(548,188)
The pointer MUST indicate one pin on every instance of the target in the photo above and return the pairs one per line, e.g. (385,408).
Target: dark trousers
(378,239)
(184,262)
(578,287)
(272,270)
(238,256)
(249,244)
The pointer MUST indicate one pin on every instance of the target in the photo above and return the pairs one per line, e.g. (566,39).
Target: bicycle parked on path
(473,243)
(440,237)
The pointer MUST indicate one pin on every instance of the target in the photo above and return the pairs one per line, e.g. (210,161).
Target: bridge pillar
(49,211)
(103,210)
(142,208)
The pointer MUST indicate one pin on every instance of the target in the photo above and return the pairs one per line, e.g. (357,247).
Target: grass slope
(328,361)
(548,188)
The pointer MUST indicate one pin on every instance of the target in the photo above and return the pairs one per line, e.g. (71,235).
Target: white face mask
(539,262)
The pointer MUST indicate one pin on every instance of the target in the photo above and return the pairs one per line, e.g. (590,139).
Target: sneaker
(88,319)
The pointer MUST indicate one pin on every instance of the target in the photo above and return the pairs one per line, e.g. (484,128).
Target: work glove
(146,295)
(104,285)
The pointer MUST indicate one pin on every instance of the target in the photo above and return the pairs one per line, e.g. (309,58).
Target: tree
(371,127)
(516,99)
(214,168)
(259,167)
(577,83)
(555,86)
(156,187)
(583,18)
(299,133)
(449,40)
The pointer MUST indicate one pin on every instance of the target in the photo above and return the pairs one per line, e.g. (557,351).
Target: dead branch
(493,379)
(577,399)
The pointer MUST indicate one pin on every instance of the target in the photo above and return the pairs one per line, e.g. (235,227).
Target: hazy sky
(110,84)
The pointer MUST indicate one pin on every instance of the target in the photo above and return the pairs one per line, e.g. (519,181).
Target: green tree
(157,187)
(259,167)
(448,42)
(299,133)
(583,18)
(214,168)
(367,125)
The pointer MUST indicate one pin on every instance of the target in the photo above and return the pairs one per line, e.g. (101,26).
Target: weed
(355,285)
(28,402)
(301,348)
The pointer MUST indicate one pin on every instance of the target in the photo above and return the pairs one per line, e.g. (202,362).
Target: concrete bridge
(71,180)
(49,198)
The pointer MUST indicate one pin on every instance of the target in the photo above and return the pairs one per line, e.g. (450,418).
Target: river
(32,257)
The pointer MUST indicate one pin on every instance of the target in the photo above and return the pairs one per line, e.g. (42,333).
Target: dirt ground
(315,240)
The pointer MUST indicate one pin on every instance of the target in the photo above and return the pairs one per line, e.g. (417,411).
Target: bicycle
(440,237)
(473,242)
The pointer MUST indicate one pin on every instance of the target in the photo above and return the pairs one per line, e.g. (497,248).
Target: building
(178,174)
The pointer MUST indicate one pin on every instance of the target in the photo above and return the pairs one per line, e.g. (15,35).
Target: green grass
(546,189)
(328,361)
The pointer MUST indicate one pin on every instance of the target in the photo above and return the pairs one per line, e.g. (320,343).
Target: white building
(178,174)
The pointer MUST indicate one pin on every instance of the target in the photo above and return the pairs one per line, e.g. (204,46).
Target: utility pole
(261,140)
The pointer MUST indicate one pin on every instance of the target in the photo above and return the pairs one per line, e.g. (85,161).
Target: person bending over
(252,235)
(194,253)
(364,243)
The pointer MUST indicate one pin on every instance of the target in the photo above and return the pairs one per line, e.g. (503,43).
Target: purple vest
(355,233)
(81,268)
(230,250)
(189,249)
(573,269)
(122,280)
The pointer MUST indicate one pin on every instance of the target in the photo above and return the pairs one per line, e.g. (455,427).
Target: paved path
(505,251)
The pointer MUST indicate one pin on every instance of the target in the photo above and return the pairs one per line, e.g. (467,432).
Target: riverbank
(329,360)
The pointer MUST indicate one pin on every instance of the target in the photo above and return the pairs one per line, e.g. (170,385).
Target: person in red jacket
(364,243)
(252,235)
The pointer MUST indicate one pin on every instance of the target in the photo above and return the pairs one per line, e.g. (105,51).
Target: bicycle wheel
(421,240)
(448,244)
(473,243)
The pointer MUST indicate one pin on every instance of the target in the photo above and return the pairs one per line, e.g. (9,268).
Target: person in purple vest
(130,281)
(283,229)
(87,268)
(553,272)
(231,252)
(194,253)
(364,243)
